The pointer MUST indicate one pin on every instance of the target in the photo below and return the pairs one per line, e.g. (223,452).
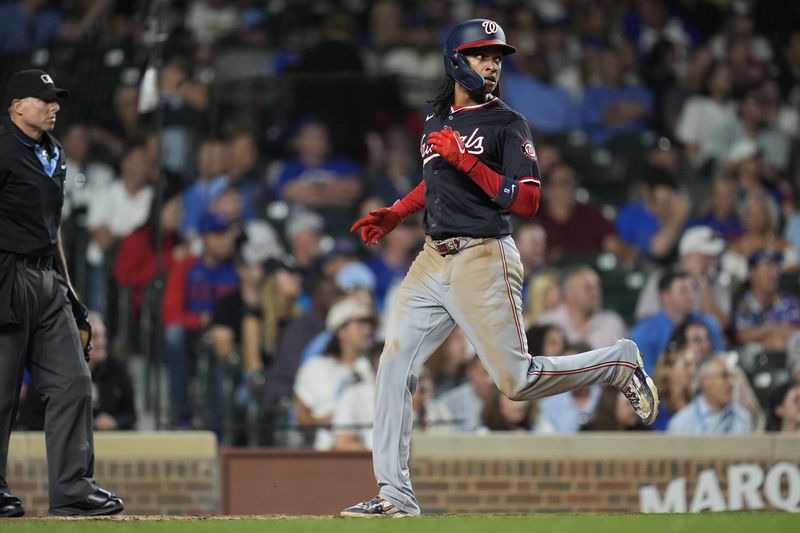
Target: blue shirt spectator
(654,226)
(653,333)
(676,292)
(21,32)
(713,411)
(611,108)
(548,107)
(563,415)
(211,181)
(699,418)
(637,226)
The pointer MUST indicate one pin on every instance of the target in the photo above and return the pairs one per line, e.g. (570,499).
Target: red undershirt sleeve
(525,201)
(412,202)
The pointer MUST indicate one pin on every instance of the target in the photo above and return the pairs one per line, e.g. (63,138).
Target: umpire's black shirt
(31,191)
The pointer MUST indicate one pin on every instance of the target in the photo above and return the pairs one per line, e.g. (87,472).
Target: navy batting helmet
(472,33)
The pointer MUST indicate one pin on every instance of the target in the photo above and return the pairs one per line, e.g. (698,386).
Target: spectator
(448,362)
(694,335)
(125,126)
(193,288)
(546,339)
(763,314)
(532,91)
(112,390)
(713,410)
(304,233)
(355,411)
(211,19)
(297,335)
(581,315)
(676,293)
(394,169)
(531,243)
(654,226)
(391,263)
(26,25)
(614,413)
(502,414)
(320,382)
(647,21)
(466,402)
(315,179)
(784,405)
(572,227)
(135,264)
(544,294)
(115,214)
(86,177)
(704,116)
(247,173)
(699,251)
(751,124)
(264,324)
(675,377)
(611,108)
(212,168)
(569,411)
(760,216)
(722,217)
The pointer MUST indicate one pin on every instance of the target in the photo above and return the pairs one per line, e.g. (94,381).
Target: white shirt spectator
(700,124)
(464,406)
(118,210)
(320,383)
(603,329)
(355,414)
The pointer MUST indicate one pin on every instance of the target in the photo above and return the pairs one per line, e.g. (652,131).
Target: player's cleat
(642,393)
(375,508)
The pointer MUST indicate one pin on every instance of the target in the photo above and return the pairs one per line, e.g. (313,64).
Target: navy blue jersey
(500,138)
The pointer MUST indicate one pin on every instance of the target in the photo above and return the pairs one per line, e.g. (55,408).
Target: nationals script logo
(473,144)
(489,26)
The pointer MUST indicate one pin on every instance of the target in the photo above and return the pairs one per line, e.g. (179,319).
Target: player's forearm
(412,202)
(520,197)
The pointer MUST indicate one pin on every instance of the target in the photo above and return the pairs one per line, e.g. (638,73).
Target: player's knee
(511,389)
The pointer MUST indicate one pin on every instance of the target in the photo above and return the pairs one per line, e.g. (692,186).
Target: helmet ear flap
(457,66)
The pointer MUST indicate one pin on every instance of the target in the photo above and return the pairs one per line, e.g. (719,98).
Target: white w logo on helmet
(489,26)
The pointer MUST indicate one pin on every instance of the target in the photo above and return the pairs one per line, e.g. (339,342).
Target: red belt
(450,246)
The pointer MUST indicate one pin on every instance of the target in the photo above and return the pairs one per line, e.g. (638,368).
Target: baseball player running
(479,165)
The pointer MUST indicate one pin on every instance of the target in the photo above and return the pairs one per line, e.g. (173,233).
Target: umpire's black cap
(34,82)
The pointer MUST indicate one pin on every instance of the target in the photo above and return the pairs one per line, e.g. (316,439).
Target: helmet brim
(507,48)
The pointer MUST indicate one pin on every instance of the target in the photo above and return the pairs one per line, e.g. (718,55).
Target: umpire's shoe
(375,508)
(99,503)
(10,506)
(642,393)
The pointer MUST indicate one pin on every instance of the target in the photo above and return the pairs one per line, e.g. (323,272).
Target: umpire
(40,314)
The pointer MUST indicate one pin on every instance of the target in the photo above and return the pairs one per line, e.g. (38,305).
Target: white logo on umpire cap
(489,26)
(47,79)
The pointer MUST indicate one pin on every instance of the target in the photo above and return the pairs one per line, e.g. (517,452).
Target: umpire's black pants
(47,342)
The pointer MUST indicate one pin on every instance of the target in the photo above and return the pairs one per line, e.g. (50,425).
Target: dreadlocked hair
(445,96)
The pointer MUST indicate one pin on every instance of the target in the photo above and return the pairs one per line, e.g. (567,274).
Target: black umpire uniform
(38,328)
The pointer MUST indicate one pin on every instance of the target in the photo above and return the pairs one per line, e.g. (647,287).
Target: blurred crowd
(219,150)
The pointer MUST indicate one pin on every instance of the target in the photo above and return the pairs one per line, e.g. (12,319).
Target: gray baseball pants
(478,289)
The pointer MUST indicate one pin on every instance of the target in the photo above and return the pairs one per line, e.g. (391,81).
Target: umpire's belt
(450,246)
(39,262)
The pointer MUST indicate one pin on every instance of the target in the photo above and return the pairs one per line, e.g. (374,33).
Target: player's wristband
(506,192)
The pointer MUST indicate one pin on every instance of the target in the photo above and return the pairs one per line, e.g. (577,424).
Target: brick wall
(457,475)
(164,473)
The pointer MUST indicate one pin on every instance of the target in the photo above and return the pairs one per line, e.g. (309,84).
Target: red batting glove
(448,144)
(376,225)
